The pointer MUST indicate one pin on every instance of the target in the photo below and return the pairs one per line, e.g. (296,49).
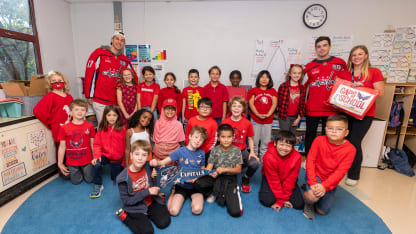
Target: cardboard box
(36,87)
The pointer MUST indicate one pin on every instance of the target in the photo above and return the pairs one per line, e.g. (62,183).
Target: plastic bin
(3,111)
(13,109)
(29,102)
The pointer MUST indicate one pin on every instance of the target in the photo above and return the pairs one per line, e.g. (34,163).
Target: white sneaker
(351,182)
(211,198)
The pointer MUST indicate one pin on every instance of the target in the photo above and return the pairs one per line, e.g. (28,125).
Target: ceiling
(97,1)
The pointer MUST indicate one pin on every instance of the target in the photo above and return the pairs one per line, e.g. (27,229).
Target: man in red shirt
(102,74)
(321,74)
(328,161)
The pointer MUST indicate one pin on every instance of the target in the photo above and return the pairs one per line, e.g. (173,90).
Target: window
(19,44)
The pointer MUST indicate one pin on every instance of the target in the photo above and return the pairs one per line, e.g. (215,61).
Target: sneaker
(308,211)
(351,182)
(96,193)
(211,198)
(245,184)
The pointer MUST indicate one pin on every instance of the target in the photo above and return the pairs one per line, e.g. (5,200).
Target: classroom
(45,42)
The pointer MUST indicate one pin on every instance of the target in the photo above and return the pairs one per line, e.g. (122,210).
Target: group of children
(207,118)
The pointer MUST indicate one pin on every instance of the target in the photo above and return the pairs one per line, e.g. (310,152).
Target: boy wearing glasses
(204,120)
(329,158)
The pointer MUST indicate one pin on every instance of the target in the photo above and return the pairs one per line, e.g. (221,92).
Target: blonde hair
(290,70)
(240,100)
(49,78)
(366,63)
(201,130)
(141,144)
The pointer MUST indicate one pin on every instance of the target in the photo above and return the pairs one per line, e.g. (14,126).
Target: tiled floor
(389,194)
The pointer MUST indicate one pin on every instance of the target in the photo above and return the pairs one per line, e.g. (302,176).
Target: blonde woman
(361,74)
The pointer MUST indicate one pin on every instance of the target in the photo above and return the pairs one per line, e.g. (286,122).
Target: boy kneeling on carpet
(222,185)
(329,158)
(281,165)
(141,202)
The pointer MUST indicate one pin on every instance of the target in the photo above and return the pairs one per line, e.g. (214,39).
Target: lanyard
(352,76)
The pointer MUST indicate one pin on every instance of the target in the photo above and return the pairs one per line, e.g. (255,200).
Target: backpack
(412,117)
(396,114)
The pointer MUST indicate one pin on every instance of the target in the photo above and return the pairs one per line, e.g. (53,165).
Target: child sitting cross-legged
(281,164)
(190,156)
(222,185)
(329,158)
(141,202)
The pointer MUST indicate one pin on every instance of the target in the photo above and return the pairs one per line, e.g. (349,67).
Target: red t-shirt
(191,96)
(320,84)
(78,142)
(242,129)
(263,102)
(210,125)
(294,98)
(328,161)
(53,111)
(140,182)
(147,92)
(167,93)
(218,96)
(233,92)
(374,75)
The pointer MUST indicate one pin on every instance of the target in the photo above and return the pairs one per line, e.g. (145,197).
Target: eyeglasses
(331,129)
(204,107)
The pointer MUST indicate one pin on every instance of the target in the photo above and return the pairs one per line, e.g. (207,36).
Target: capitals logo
(77,139)
(328,82)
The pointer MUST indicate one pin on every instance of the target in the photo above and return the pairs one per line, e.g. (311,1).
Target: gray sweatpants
(262,134)
(77,173)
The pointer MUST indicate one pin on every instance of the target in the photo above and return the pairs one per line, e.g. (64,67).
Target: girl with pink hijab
(168,131)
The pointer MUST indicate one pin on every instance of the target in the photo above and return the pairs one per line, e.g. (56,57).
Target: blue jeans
(326,202)
(115,169)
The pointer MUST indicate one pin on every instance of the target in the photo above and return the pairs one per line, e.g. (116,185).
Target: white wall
(54,24)
(202,34)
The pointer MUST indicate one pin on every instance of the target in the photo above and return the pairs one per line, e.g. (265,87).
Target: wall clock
(315,16)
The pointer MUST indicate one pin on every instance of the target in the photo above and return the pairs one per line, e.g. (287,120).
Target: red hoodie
(328,161)
(111,144)
(281,173)
(53,111)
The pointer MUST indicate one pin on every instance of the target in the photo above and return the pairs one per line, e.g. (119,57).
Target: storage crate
(29,102)
(13,109)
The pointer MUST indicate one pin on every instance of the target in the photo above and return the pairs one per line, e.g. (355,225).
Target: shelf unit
(383,107)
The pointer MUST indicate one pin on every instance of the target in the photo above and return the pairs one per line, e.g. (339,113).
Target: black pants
(312,128)
(140,223)
(267,197)
(358,129)
(115,169)
(205,185)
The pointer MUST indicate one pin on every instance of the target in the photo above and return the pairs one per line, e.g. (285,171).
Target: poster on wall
(159,55)
(144,53)
(12,167)
(276,56)
(131,53)
(36,139)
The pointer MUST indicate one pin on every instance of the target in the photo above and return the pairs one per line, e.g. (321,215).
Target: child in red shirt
(328,161)
(291,99)
(148,92)
(139,194)
(206,121)
(263,102)
(171,91)
(218,94)
(76,139)
(191,96)
(53,109)
(281,165)
(109,147)
(243,131)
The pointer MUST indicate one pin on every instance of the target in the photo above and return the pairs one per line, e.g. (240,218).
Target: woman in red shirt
(361,74)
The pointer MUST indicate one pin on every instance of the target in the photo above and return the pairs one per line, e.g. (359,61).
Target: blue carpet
(60,207)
